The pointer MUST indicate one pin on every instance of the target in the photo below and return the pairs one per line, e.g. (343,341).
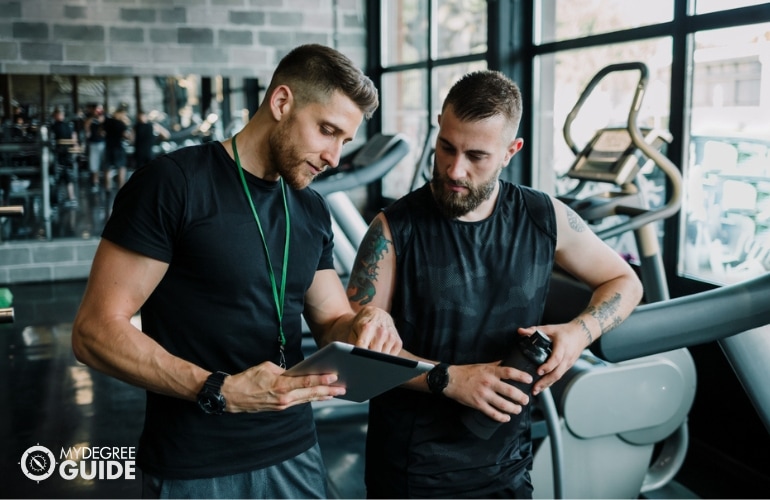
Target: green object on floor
(6,297)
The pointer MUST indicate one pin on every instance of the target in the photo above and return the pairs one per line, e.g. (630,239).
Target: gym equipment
(612,416)
(621,411)
(6,297)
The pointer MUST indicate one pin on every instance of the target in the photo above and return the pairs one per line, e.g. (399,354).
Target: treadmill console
(612,157)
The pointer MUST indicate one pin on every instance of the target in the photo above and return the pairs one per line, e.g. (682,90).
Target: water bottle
(528,353)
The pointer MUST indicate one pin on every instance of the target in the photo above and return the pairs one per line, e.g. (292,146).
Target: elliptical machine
(621,412)
(613,417)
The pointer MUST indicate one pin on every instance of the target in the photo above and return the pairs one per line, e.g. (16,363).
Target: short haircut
(482,94)
(314,72)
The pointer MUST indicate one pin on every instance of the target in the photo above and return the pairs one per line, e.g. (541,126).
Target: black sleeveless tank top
(463,290)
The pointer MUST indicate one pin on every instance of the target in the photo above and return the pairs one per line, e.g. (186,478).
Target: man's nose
(331,155)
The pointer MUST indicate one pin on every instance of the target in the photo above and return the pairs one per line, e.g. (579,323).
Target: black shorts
(115,157)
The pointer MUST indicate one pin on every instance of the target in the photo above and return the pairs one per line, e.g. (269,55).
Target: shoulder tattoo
(575,221)
(373,248)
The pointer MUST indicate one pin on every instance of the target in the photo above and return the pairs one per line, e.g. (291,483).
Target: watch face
(213,404)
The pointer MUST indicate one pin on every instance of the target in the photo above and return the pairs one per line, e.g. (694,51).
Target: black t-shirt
(144,139)
(114,131)
(214,307)
(463,289)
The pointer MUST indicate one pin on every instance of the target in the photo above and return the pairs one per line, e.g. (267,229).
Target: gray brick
(6,31)
(28,68)
(159,35)
(285,19)
(30,30)
(10,10)
(42,254)
(249,17)
(129,54)
(209,55)
(177,15)
(42,51)
(231,37)
(172,55)
(90,52)
(75,12)
(14,255)
(137,15)
(9,50)
(127,35)
(79,32)
(71,271)
(275,38)
(70,69)
(196,36)
(86,251)
(266,3)
(29,274)
(305,37)
(116,70)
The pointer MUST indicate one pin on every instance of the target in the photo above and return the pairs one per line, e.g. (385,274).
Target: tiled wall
(166,37)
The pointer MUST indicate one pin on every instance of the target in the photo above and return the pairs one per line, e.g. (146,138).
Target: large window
(709,87)
(726,218)
(426,47)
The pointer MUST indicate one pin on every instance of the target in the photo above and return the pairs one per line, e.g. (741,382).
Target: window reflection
(565,19)
(726,218)
(461,27)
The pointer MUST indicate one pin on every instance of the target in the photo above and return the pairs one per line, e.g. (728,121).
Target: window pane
(705,6)
(565,19)
(406,93)
(446,76)
(404,31)
(560,79)
(726,217)
(462,27)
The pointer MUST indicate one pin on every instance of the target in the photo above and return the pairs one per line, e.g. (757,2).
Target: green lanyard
(278,298)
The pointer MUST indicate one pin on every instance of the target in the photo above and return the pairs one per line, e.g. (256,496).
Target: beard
(453,204)
(286,158)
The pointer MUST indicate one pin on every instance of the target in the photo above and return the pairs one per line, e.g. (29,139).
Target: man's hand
(483,386)
(265,388)
(373,328)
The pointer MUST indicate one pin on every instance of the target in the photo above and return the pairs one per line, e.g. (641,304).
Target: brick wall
(167,37)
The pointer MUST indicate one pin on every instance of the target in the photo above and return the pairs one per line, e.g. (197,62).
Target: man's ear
(281,101)
(513,148)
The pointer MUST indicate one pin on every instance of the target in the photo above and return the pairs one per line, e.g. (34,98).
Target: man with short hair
(224,250)
(464,264)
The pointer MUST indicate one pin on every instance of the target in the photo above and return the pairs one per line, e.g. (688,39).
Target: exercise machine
(619,416)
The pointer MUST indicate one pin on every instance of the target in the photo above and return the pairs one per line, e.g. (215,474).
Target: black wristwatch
(210,399)
(438,378)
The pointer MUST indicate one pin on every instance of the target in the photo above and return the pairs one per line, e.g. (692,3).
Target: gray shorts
(303,476)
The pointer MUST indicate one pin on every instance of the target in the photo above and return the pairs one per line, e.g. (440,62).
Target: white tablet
(363,373)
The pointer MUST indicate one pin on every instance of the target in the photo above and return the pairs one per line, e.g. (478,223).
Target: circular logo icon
(38,463)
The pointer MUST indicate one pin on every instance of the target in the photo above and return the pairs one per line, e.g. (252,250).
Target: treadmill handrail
(687,321)
(362,176)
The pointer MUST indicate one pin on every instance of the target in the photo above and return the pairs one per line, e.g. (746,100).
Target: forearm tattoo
(606,313)
(574,220)
(373,248)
